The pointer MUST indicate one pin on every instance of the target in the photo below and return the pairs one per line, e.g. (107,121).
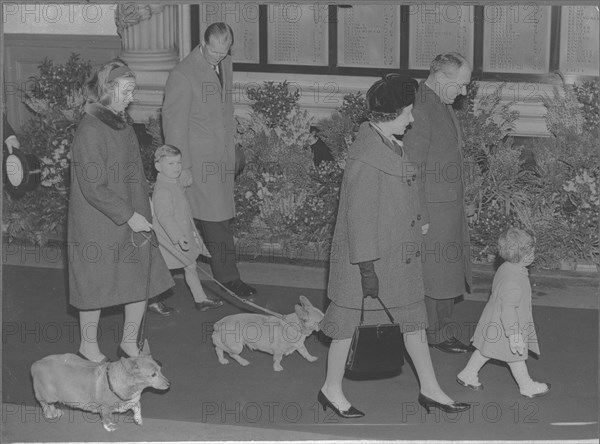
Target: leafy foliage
(274,101)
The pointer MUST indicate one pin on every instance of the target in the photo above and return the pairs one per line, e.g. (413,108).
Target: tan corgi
(104,388)
(269,334)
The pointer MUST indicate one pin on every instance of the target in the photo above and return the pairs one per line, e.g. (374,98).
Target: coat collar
(106,116)
(446,114)
(201,60)
(374,149)
(161,177)
(516,268)
(393,144)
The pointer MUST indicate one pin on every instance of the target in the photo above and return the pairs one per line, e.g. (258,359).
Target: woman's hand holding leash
(138,223)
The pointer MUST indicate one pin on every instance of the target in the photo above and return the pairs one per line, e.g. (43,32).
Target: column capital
(149,46)
(130,14)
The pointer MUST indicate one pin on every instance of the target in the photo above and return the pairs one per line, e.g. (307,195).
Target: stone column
(149,46)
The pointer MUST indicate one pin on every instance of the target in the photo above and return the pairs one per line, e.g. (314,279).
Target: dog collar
(110,387)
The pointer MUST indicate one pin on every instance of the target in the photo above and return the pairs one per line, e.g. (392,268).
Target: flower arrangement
(278,162)
(557,200)
(283,197)
(273,101)
(56,101)
(58,86)
(580,206)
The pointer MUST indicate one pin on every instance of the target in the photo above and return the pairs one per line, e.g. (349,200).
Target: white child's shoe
(469,381)
(535,389)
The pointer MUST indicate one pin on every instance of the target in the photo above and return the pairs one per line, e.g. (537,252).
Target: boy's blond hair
(514,244)
(166,150)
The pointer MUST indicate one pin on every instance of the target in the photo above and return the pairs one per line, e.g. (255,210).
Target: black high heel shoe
(455,407)
(123,354)
(350,413)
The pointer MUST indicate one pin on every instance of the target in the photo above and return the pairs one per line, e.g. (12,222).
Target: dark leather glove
(368,279)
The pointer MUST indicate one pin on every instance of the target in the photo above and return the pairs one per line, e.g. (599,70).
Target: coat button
(418,217)
(408,261)
(412,224)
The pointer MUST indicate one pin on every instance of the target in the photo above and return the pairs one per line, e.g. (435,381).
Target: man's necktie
(217,69)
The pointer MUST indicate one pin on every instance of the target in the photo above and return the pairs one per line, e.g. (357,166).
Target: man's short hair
(166,151)
(448,63)
(220,31)
(514,244)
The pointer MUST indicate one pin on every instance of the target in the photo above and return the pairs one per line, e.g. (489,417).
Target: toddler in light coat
(179,242)
(506,331)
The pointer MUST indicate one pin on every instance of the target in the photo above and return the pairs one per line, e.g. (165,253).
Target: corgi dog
(103,388)
(278,337)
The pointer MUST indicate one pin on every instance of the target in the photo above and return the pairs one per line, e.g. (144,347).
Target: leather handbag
(376,348)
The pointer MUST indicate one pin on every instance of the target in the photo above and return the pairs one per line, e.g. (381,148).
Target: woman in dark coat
(375,249)
(111,260)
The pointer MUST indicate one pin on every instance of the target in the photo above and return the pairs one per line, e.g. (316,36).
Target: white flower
(248,194)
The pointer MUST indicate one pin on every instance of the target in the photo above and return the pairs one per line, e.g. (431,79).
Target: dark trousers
(218,238)
(439,315)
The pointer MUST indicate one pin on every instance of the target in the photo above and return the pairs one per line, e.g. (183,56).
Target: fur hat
(391,93)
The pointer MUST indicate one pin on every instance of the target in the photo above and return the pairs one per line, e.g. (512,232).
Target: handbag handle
(387,312)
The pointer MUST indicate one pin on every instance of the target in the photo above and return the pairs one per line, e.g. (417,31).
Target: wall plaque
(298,34)
(438,28)
(369,36)
(579,40)
(516,38)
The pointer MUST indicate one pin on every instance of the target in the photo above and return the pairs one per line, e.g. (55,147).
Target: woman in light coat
(375,248)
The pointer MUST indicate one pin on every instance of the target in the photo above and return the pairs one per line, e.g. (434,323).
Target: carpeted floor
(38,322)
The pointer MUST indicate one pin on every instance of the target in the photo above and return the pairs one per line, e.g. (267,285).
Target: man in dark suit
(198,119)
(434,148)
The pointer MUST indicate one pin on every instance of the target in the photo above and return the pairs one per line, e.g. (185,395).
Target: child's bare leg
(193,281)
(469,374)
(527,386)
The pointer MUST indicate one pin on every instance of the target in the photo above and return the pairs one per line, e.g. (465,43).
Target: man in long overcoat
(434,146)
(198,119)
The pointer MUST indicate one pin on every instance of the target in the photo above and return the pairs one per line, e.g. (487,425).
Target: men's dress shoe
(350,413)
(82,356)
(160,308)
(240,288)
(208,304)
(471,386)
(452,345)
(455,407)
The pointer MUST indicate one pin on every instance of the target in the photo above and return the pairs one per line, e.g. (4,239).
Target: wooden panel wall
(24,52)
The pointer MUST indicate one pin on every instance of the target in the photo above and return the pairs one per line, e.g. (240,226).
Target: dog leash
(231,293)
(150,240)
(243,301)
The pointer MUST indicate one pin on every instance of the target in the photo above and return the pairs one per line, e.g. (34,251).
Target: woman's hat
(22,172)
(391,93)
